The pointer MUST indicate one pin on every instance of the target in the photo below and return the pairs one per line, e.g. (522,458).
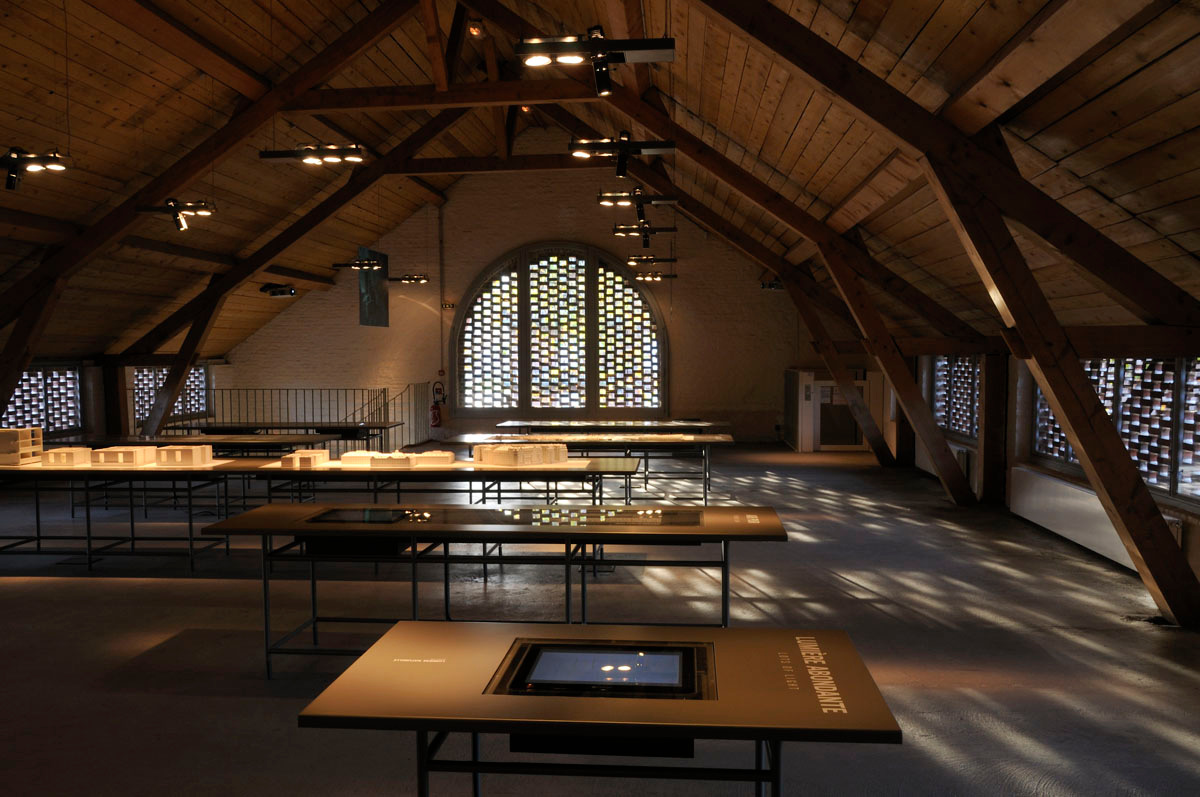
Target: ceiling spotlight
(646,260)
(577,49)
(475,28)
(526,109)
(317,154)
(411,279)
(604,85)
(18,161)
(653,276)
(277,291)
(644,230)
(179,211)
(621,148)
(360,265)
(635,197)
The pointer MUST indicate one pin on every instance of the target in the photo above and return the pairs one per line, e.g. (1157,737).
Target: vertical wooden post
(169,392)
(991,455)
(906,437)
(882,346)
(1056,367)
(116,400)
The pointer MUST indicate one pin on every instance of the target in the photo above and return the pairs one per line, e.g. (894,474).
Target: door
(836,428)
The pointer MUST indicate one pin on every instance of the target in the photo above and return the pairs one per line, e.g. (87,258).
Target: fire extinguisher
(435,409)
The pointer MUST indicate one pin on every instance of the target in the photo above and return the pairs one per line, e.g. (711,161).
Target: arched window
(560,329)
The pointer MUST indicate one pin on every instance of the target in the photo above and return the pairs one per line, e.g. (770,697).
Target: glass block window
(1147,394)
(956,394)
(1049,439)
(1187,482)
(193,399)
(558,332)
(559,327)
(47,398)
(490,344)
(628,344)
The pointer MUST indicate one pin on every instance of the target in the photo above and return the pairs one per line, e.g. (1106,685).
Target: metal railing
(315,407)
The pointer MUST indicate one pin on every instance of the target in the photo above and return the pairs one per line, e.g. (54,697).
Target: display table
(207,488)
(645,445)
(231,444)
(763,685)
(423,534)
(616,425)
(344,431)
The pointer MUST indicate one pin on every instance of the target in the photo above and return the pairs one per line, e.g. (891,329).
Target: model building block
(395,459)
(435,457)
(123,456)
(305,459)
(184,455)
(20,446)
(519,455)
(360,459)
(72,457)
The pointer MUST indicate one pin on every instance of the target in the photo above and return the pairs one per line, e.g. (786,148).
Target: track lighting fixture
(411,279)
(18,161)
(475,28)
(637,196)
(653,276)
(577,49)
(643,229)
(179,211)
(277,291)
(360,265)
(318,154)
(646,260)
(622,147)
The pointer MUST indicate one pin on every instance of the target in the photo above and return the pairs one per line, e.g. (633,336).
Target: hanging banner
(373,290)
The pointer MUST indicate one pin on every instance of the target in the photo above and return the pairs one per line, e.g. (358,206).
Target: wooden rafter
(882,346)
(360,180)
(625,22)
(499,126)
(991,450)
(30,323)
(1022,305)
(455,40)
(435,45)
(1131,283)
(76,252)
(807,225)
(460,95)
(168,392)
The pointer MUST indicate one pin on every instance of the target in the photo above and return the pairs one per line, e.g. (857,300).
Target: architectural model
(73,457)
(360,458)
(20,446)
(184,455)
(416,459)
(123,456)
(305,459)
(517,455)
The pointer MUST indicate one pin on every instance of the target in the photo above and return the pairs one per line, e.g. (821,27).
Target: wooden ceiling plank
(1055,364)
(460,95)
(1125,278)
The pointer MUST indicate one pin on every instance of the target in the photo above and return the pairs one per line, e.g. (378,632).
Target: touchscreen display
(600,667)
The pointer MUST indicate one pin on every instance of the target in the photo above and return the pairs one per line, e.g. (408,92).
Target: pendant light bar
(179,211)
(318,154)
(18,161)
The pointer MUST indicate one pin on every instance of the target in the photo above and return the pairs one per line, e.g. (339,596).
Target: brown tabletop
(578,425)
(771,684)
(220,440)
(591,524)
(599,441)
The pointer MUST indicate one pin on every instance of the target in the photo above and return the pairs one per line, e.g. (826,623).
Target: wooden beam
(156,25)
(455,40)
(179,250)
(882,347)
(360,179)
(172,386)
(823,345)
(1131,283)
(36,221)
(489,163)
(435,46)
(460,95)
(499,128)
(809,226)
(30,324)
(1055,365)
(991,450)
(76,252)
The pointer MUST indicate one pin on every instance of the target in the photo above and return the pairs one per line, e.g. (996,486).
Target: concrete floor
(1015,662)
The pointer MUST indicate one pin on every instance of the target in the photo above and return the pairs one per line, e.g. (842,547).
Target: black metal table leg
(266,579)
(724,583)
